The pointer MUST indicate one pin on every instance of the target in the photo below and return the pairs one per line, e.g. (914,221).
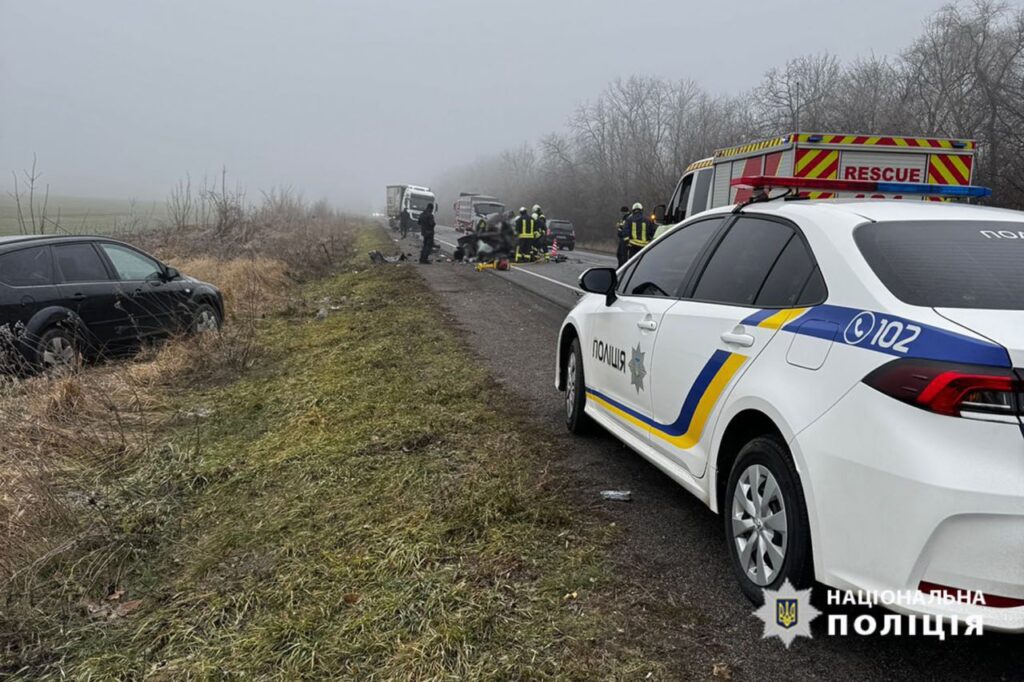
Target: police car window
(741,263)
(27,267)
(788,276)
(814,291)
(665,264)
(701,186)
(948,264)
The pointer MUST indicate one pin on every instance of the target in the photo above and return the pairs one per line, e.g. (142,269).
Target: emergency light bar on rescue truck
(708,183)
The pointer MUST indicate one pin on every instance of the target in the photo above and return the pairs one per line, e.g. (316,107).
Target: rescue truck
(708,183)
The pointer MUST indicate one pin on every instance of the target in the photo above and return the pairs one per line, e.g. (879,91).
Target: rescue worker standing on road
(540,227)
(405,222)
(526,235)
(621,246)
(638,230)
(427,224)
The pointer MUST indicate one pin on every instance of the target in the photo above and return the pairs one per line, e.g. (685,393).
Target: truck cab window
(677,212)
(701,189)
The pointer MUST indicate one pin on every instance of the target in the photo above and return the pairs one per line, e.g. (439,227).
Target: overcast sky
(337,98)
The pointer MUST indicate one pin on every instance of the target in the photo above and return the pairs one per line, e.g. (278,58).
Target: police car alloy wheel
(766,520)
(575,397)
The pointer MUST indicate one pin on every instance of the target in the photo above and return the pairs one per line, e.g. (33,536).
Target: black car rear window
(948,264)
(27,267)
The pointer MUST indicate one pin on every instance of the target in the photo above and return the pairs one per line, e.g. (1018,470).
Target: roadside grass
(362,504)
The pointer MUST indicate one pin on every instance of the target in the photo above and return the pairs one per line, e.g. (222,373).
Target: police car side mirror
(599,281)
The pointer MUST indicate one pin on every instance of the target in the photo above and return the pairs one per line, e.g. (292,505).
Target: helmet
(638,206)
(522,209)
(536,208)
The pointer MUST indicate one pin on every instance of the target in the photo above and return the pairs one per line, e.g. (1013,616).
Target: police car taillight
(950,389)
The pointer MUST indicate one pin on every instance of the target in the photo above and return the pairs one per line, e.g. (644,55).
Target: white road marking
(518,268)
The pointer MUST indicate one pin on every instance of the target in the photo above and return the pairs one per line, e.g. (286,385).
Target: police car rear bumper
(898,496)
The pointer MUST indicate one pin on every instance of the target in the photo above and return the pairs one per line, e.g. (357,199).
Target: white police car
(837,378)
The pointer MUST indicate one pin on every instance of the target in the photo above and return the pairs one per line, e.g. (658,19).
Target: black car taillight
(950,389)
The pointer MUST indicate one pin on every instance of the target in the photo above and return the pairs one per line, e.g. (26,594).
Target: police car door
(624,333)
(708,339)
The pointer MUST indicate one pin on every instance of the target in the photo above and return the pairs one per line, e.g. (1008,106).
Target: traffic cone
(554,249)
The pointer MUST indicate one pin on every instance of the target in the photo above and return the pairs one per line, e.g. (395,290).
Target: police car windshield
(487,209)
(946,264)
(418,202)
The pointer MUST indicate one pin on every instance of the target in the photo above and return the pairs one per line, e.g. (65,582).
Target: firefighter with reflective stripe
(526,235)
(637,230)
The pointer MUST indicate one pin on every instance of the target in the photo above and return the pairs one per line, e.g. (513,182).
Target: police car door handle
(736,339)
(647,325)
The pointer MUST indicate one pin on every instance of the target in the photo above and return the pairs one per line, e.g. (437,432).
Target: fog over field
(337,98)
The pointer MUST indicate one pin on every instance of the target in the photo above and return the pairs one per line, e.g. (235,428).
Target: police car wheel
(576,419)
(765,518)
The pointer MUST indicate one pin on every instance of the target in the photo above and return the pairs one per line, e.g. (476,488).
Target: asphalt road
(672,554)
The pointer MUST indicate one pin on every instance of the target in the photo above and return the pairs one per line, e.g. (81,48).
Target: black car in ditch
(63,298)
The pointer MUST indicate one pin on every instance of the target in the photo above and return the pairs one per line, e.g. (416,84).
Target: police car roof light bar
(765,182)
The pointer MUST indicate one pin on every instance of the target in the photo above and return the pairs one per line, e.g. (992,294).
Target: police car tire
(798,565)
(576,419)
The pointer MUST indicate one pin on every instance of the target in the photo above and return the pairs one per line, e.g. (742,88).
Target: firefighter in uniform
(540,227)
(637,230)
(526,235)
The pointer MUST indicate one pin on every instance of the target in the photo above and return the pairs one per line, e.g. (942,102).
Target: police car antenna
(761,195)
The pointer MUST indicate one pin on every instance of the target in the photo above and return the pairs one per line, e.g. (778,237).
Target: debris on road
(617,495)
(379,258)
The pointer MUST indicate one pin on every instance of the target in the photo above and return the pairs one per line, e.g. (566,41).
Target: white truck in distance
(411,197)
(470,207)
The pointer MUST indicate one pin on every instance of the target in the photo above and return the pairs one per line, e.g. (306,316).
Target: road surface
(688,608)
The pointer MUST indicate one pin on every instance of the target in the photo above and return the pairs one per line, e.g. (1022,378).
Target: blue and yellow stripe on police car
(700,401)
(714,377)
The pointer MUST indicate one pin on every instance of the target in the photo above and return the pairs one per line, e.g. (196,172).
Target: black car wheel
(205,318)
(57,350)
(576,419)
(766,520)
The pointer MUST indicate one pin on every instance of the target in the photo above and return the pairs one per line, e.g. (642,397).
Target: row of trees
(962,77)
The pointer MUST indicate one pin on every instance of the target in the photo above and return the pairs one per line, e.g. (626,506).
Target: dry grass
(67,533)
(280,501)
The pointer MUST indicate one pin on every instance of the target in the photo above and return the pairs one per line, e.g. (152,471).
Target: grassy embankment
(357,503)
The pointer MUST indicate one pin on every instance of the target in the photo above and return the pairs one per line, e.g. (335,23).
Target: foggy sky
(336,98)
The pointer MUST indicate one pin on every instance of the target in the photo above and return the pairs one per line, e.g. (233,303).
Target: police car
(841,380)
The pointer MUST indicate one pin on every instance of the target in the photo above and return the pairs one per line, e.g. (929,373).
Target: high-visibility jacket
(525,227)
(639,230)
(482,225)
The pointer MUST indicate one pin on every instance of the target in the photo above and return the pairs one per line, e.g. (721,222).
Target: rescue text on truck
(707,183)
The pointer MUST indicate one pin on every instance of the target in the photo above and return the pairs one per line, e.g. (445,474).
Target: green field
(82,215)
